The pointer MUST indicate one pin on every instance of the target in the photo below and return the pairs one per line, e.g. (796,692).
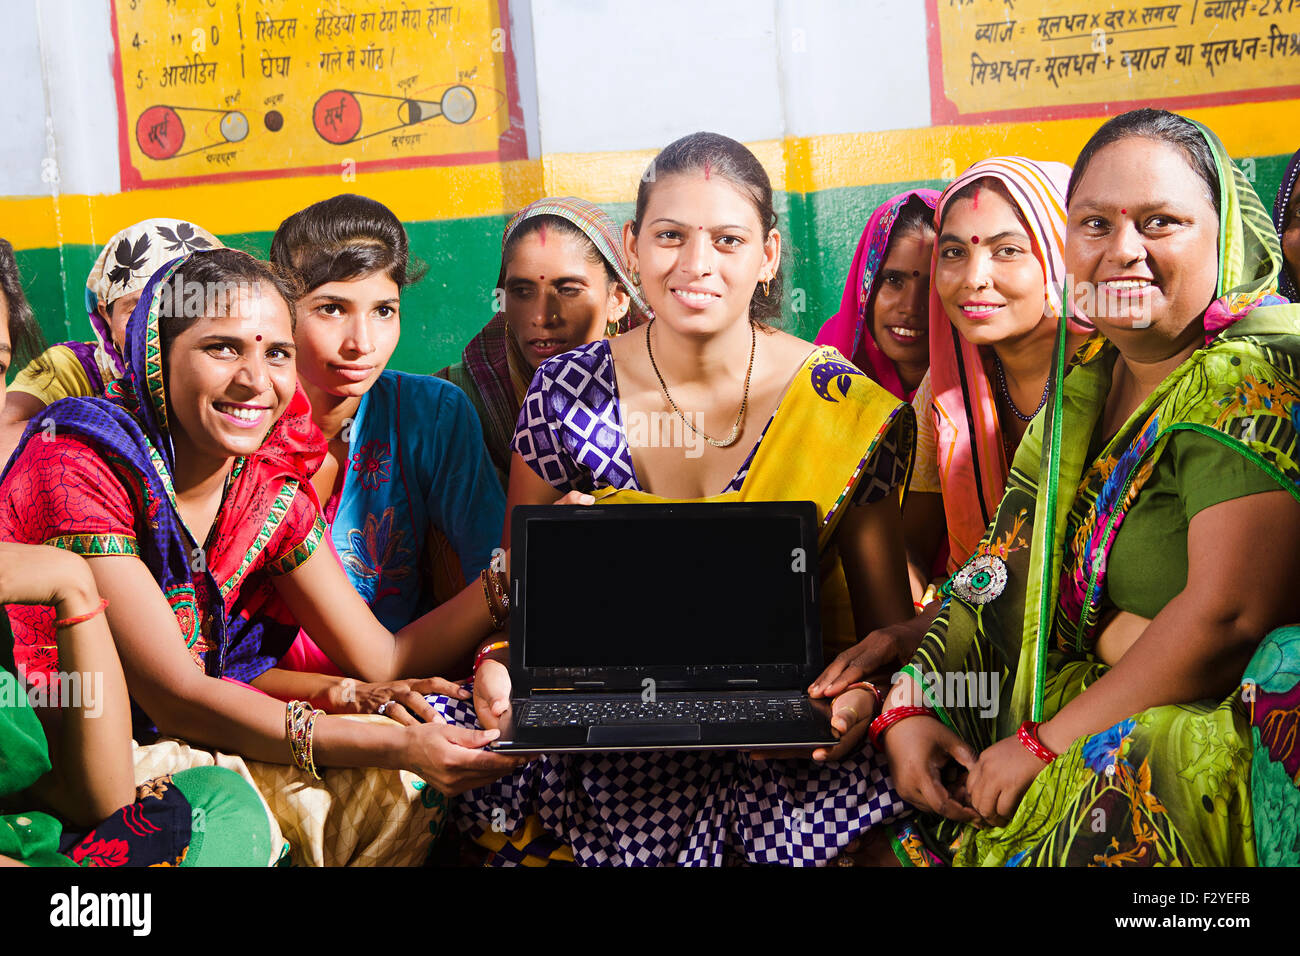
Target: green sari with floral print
(1203,783)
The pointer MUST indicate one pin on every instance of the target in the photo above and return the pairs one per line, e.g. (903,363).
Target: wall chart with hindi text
(1034,59)
(210,90)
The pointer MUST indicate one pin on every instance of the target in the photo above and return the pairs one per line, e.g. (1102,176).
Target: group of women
(1050,433)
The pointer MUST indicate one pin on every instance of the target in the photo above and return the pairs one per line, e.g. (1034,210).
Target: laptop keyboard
(724,710)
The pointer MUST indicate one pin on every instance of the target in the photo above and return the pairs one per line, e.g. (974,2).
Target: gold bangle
(501,588)
(497,619)
(300,722)
(311,730)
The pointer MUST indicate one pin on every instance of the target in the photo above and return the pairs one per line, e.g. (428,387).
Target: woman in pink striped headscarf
(995,302)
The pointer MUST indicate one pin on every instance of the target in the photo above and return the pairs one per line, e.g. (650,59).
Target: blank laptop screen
(682,591)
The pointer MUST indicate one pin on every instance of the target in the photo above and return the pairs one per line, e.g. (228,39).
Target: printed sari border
(95,545)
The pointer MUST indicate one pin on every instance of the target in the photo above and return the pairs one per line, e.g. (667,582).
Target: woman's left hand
(402,700)
(1000,778)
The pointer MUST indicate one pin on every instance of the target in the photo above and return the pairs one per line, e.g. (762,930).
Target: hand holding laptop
(491,693)
(851,714)
(454,759)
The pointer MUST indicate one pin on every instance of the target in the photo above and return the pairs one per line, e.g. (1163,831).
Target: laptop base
(811,731)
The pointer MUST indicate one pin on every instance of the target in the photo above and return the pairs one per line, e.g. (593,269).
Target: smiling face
(556,298)
(1141,245)
(229,378)
(346,334)
(701,252)
(991,284)
(899,309)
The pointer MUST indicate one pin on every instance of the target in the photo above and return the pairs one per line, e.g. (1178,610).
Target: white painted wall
(22,107)
(853,66)
(594,76)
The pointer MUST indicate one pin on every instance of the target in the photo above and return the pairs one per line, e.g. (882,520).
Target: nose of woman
(698,254)
(358,339)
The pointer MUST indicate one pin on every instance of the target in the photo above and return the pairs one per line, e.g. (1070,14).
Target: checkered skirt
(683,808)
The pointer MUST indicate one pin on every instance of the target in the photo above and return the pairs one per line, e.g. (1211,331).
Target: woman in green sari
(1107,599)
(66,791)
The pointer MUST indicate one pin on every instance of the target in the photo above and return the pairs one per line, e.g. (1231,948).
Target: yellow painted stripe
(416,195)
(796,164)
(867,159)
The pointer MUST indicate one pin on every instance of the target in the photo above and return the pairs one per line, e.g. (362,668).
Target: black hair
(914,217)
(25,338)
(219,274)
(562,226)
(733,162)
(1161,126)
(344,238)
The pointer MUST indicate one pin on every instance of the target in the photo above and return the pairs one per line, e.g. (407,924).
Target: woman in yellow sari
(708,402)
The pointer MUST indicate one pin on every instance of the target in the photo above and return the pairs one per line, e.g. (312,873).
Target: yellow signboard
(220,89)
(1006,59)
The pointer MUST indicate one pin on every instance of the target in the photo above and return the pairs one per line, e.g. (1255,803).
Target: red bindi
(975,240)
(259,338)
(915,273)
(1123,212)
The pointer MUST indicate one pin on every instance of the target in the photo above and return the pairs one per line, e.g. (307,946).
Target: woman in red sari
(189,494)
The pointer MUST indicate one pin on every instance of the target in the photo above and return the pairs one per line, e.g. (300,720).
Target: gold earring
(765,282)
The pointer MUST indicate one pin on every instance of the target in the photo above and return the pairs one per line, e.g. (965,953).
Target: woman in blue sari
(407,488)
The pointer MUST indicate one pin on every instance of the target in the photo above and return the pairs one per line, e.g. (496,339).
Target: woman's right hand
(918,749)
(453,759)
(491,693)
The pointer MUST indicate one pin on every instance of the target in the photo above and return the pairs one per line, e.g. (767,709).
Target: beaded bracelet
(1028,735)
(891,717)
(482,655)
(81,618)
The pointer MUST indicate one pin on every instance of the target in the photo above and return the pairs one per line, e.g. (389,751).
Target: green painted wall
(454,300)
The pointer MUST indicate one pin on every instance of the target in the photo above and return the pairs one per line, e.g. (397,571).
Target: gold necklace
(744,401)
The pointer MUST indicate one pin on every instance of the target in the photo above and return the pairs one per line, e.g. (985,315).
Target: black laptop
(674,626)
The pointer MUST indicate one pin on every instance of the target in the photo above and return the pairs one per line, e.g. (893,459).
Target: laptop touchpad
(615,735)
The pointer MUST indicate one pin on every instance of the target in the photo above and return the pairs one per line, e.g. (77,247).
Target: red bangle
(486,651)
(1028,735)
(81,618)
(891,717)
(918,605)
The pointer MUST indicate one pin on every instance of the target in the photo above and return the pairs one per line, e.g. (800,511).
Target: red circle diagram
(159,132)
(337,116)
